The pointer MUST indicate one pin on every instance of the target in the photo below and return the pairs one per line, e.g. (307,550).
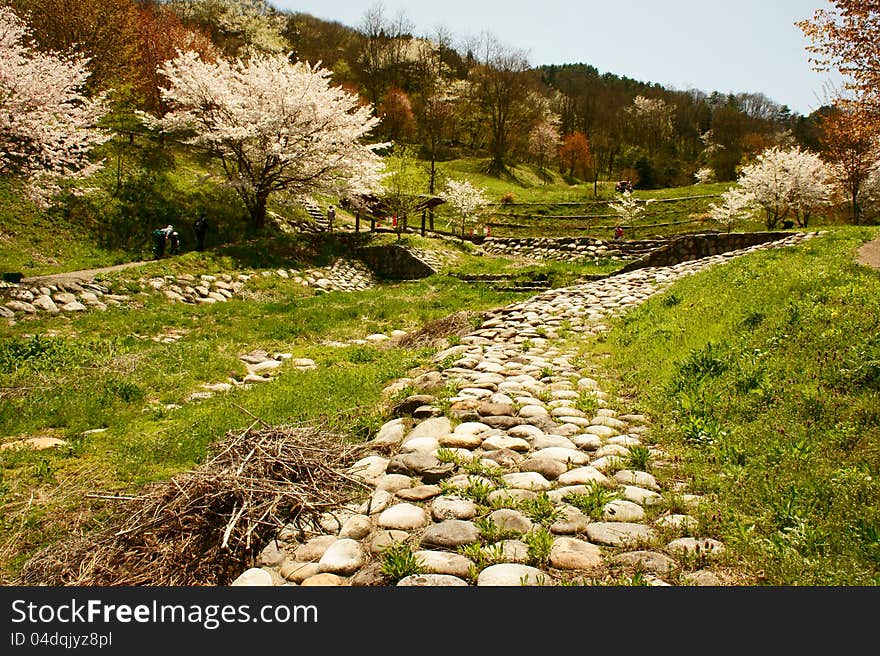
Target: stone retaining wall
(697,246)
(394,262)
(569,248)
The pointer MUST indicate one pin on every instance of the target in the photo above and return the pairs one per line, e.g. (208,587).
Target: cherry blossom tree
(273,126)
(704,175)
(784,180)
(810,184)
(47,125)
(466,201)
(629,209)
(737,204)
(544,140)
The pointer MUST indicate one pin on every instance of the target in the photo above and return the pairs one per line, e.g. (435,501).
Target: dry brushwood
(204,527)
(434,333)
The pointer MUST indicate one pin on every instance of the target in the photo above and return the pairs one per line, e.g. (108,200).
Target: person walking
(331,215)
(174,243)
(160,239)
(200,227)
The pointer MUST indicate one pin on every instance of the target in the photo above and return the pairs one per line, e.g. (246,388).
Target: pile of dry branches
(204,527)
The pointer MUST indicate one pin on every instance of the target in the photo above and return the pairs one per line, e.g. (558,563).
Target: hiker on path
(331,215)
(160,238)
(174,243)
(200,227)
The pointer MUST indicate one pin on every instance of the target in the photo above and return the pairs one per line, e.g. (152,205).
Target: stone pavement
(524,475)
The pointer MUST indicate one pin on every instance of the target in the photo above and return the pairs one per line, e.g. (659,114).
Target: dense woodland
(449,95)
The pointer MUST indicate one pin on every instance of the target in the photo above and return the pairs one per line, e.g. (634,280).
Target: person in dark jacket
(200,227)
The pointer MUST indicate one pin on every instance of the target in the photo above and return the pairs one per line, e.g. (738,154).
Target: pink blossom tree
(275,127)
(48,126)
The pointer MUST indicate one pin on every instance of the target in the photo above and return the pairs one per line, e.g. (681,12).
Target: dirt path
(85,274)
(869,254)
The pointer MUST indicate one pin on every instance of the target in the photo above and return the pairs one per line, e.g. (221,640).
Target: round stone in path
(496,442)
(621,510)
(570,522)
(404,517)
(563,455)
(253,577)
(450,534)
(514,551)
(678,522)
(425,465)
(462,440)
(511,574)
(637,478)
(436,580)
(444,508)
(587,442)
(640,495)
(419,493)
(549,469)
(384,539)
(444,562)
(434,427)
(356,527)
(312,550)
(584,476)
(394,482)
(702,577)
(651,561)
(326,579)
(344,557)
(527,481)
(390,434)
(511,520)
(571,553)
(298,572)
(619,534)
(369,468)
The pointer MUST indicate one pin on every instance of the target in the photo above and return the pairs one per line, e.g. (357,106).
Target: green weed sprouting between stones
(587,402)
(592,502)
(399,561)
(638,457)
(541,509)
(539,541)
(491,532)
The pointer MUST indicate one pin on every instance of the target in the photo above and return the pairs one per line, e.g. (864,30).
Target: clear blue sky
(712,45)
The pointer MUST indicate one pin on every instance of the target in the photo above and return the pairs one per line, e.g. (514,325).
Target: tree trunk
(258,211)
(424,216)
(357,221)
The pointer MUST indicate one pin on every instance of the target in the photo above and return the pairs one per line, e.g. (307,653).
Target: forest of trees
(446,95)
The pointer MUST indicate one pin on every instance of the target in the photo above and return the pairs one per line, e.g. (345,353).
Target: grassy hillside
(763,377)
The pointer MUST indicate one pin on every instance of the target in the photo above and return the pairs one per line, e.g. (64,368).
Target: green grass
(764,375)
(102,370)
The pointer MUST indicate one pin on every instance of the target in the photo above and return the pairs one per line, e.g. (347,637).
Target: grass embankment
(764,377)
